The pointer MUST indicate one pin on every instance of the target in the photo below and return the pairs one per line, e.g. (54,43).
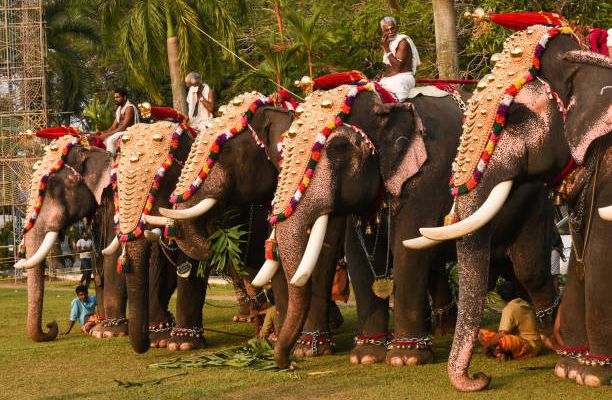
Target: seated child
(82,308)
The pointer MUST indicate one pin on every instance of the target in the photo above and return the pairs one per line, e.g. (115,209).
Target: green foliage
(255,354)
(97,114)
(224,248)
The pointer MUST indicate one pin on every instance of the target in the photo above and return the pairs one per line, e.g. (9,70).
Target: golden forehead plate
(141,157)
(200,150)
(53,153)
(509,65)
(319,109)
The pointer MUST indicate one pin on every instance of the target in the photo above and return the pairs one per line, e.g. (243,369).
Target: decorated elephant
(410,162)
(557,110)
(239,170)
(67,185)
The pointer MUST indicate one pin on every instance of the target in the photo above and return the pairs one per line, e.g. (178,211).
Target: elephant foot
(244,312)
(185,339)
(413,351)
(369,349)
(109,328)
(313,344)
(568,362)
(159,339)
(186,343)
(594,371)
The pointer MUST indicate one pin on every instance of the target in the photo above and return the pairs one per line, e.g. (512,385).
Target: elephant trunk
(36,287)
(473,254)
(137,280)
(291,248)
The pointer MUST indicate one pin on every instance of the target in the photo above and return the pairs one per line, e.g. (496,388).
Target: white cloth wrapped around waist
(399,84)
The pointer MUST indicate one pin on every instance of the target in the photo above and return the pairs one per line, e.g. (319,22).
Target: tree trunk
(446,39)
(178,93)
(179,100)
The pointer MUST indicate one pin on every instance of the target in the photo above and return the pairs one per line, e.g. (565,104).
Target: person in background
(517,335)
(200,101)
(401,59)
(84,246)
(126,115)
(83,309)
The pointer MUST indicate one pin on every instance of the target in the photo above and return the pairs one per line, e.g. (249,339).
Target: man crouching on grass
(82,308)
(517,336)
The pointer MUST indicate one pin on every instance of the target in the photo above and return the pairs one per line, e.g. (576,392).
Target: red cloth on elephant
(597,41)
(334,80)
(522,20)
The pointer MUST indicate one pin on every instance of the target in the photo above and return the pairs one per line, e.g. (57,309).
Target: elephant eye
(338,148)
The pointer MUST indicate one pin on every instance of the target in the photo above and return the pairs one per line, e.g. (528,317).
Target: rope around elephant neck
(372,256)
(580,258)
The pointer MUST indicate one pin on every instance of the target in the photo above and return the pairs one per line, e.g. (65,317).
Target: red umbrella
(519,20)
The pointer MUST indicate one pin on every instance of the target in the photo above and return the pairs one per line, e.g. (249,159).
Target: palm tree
(309,34)
(69,31)
(277,66)
(446,38)
(155,37)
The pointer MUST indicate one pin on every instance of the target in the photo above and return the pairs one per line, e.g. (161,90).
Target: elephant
(575,125)
(244,174)
(82,189)
(71,193)
(411,163)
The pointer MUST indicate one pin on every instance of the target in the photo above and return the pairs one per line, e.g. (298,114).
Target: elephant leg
(242,297)
(410,345)
(115,301)
(597,370)
(444,307)
(572,330)
(161,287)
(531,264)
(315,339)
(191,293)
(372,311)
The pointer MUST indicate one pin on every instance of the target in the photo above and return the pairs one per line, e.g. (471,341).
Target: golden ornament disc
(382,287)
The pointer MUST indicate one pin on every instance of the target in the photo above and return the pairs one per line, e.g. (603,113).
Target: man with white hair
(200,100)
(401,58)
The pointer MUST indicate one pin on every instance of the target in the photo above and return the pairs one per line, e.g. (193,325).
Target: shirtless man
(401,58)
(200,99)
(126,115)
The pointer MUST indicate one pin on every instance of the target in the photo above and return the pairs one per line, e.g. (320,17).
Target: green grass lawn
(78,366)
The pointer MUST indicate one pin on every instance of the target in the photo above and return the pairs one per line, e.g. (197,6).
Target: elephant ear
(97,172)
(401,144)
(589,114)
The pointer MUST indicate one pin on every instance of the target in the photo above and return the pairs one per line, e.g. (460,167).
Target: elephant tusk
(605,213)
(481,217)
(112,248)
(420,243)
(152,235)
(156,220)
(41,253)
(188,213)
(311,254)
(267,271)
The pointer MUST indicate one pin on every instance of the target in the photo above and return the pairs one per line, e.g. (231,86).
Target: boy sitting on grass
(82,308)
(517,336)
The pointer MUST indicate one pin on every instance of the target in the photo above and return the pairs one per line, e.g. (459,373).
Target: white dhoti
(111,142)
(400,84)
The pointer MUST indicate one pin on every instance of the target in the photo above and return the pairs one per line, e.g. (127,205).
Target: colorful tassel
(451,217)
(272,250)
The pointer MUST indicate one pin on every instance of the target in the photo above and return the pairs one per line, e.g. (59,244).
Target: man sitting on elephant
(126,115)
(517,336)
(401,58)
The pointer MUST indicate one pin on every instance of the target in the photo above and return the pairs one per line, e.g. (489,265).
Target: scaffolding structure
(22,104)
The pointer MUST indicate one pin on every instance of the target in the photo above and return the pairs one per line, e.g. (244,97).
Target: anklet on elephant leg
(164,326)
(573,352)
(195,332)
(111,322)
(400,343)
(595,361)
(316,339)
(380,339)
